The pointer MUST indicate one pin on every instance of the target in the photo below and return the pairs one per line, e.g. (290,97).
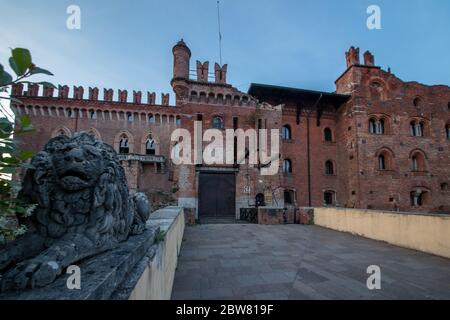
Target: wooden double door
(217,194)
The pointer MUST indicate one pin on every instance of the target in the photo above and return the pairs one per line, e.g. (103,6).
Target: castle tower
(181,59)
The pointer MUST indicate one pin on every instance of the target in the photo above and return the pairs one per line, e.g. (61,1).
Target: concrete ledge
(156,279)
(143,267)
(100,275)
(424,232)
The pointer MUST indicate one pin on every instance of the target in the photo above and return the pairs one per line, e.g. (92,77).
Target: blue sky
(127,44)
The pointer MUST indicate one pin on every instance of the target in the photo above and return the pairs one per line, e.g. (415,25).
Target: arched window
(287,166)
(447,131)
(329,168)
(178,121)
(415,163)
(151,119)
(69,113)
(419,197)
(129,117)
(417,128)
(95,133)
(286,132)
(381,162)
(61,131)
(418,162)
(150,146)
(420,129)
(372,126)
(327,135)
(217,122)
(380,126)
(416,199)
(376,126)
(385,159)
(92,114)
(328,198)
(260,200)
(123,145)
(417,102)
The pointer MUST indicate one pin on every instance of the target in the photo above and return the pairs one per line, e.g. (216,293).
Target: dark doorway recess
(217,194)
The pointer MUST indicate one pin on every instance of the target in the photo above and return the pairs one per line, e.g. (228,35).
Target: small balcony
(144,158)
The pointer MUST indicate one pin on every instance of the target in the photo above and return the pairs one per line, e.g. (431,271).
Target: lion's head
(78,182)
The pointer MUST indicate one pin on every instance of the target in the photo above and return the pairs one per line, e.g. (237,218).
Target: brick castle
(377,142)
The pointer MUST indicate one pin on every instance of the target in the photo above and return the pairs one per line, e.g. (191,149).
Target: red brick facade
(377,142)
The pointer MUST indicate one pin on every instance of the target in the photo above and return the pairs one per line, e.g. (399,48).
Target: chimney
(352,56)
(369,59)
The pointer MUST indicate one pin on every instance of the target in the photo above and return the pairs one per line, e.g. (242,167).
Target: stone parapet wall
(419,231)
(141,268)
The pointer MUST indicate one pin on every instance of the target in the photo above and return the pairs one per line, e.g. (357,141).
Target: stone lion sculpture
(83,208)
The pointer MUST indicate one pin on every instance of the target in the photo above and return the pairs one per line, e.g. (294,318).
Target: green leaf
(37,70)
(9,170)
(13,66)
(21,61)
(24,155)
(6,126)
(6,149)
(25,121)
(5,77)
(9,160)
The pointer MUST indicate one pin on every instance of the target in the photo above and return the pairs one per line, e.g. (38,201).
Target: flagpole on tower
(220,33)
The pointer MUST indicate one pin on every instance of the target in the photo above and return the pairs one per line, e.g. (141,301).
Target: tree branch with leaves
(12,158)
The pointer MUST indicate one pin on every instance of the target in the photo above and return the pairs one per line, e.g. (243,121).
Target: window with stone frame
(286,132)
(287,166)
(217,123)
(289,197)
(328,198)
(329,168)
(124,147)
(327,135)
(150,146)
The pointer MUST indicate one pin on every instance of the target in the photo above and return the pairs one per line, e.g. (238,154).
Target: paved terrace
(300,262)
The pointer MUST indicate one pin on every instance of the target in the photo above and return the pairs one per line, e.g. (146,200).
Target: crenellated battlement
(236,99)
(63,92)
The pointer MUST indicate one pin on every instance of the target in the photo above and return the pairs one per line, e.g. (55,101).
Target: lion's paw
(5,259)
(34,273)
